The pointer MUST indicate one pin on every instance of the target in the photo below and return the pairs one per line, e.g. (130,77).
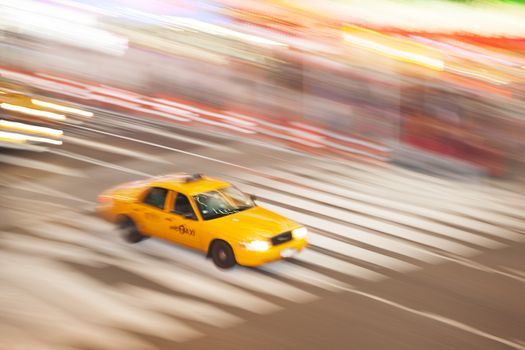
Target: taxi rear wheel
(222,255)
(130,232)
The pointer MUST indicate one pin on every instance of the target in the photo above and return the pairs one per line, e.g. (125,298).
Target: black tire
(130,232)
(222,255)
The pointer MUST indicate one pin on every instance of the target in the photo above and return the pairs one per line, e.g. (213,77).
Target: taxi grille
(282,238)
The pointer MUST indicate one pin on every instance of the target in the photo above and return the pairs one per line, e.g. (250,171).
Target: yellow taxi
(202,213)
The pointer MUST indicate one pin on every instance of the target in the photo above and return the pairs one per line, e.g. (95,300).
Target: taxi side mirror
(253,197)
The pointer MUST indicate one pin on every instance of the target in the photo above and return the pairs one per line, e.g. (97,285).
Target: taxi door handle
(168,219)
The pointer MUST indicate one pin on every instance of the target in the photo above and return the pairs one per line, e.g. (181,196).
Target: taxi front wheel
(222,255)
(130,231)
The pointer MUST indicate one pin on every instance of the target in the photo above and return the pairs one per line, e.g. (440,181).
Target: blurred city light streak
(45,83)
(69,82)
(395,48)
(483,75)
(206,112)
(62,108)
(5,124)
(59,24)
(81,7)
(31,111)
(478,85)
(282,83)
(21,138)
(480,57)
(193,24)
(493,19)
(12,137)
(113,92)
(113,101)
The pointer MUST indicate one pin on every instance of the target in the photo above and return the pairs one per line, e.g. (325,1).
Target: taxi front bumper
(255,258)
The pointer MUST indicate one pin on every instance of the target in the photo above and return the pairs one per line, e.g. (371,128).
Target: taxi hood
(255,223)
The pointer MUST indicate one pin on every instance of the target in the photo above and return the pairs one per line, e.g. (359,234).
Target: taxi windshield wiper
(220,215)
(244,207)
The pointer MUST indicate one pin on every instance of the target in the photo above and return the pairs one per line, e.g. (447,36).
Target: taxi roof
(188,184)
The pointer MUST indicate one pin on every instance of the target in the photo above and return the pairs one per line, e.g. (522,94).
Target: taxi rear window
(156,197)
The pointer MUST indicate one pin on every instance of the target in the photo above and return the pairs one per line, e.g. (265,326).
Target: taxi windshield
(222,202)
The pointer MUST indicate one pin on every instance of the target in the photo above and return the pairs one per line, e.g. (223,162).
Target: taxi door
(148,214)
(181,223)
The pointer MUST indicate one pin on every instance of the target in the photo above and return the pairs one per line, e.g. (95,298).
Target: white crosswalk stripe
(402,196)
(428,195)
(49,249)
(182,307)
(98,162)
(44,334)
(177,136)
(241,277)
(359,253)
(87,223)
(10,181)
(378,240)
(86,239)
(99,146)
(39,165)
(204,287)
(88,298)
(331,263)
(304,275)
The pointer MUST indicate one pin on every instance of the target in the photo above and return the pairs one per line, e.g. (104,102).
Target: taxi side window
(182,205)
(156,197)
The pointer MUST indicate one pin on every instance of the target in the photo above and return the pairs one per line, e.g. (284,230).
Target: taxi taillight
(104,199)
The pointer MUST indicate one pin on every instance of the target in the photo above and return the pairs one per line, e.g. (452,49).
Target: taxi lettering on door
(183,230)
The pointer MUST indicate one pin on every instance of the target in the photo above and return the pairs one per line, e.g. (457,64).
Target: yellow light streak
(21,138)
(396,48)
(5,124)
(31,111)
(62,108)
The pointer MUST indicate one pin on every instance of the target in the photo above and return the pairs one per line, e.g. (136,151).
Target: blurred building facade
(380,89)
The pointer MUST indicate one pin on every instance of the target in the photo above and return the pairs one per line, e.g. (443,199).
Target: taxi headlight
(300,233)
(256,246)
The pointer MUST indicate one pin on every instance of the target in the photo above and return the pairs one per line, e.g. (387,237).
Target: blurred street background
(394,130)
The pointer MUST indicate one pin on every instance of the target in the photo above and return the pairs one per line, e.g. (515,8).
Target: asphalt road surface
(398,259)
